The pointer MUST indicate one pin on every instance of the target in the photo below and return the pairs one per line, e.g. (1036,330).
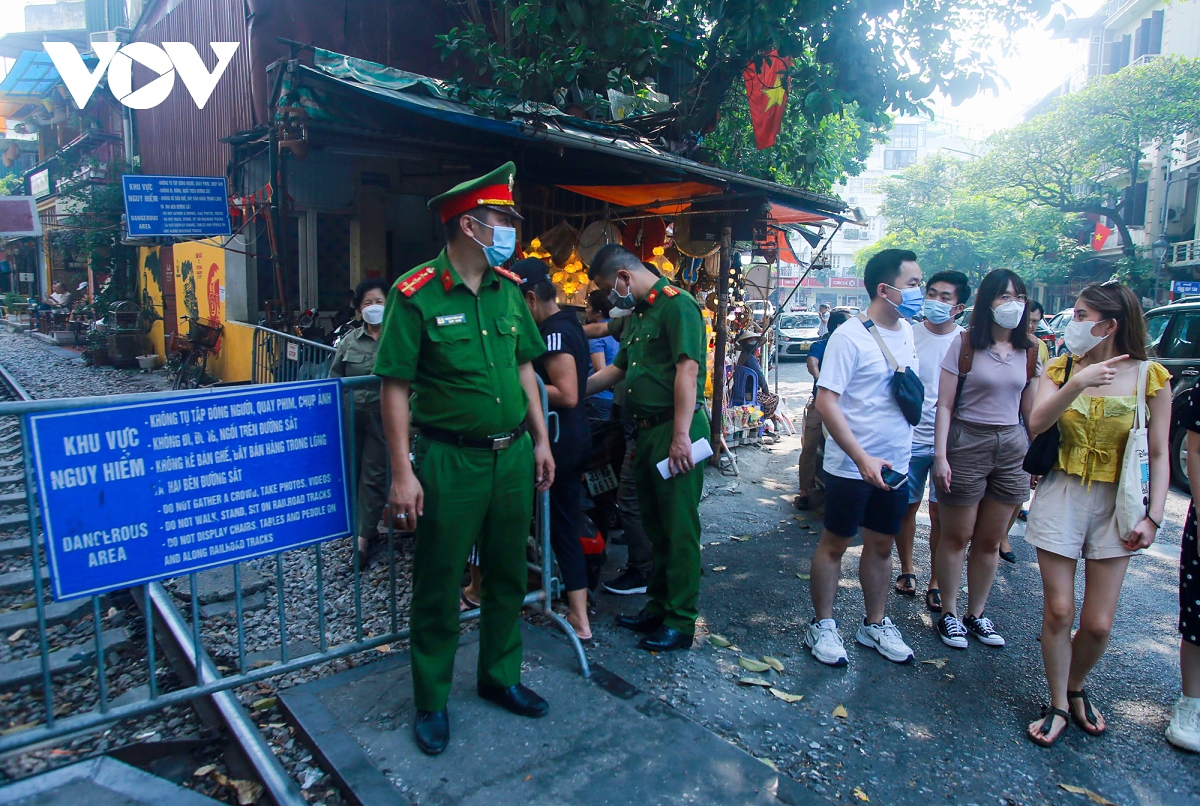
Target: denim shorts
(854,503)
(920,468)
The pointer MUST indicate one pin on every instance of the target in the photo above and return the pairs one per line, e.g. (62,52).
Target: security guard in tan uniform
(457,333)
(662,361)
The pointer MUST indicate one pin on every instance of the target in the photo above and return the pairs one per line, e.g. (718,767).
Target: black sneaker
(1009,556)
(952,632)
(629,583)
(983,629)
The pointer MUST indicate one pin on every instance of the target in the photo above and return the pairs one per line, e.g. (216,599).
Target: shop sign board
(1185,287)
(135,493)
(176,205)
(39,183)
(845,282)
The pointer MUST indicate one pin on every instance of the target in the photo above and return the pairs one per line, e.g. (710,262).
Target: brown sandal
(1041,736)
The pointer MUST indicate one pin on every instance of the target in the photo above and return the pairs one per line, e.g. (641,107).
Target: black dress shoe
(642,622)
(518,699)
(1008,556)
(432,731)
(664,639)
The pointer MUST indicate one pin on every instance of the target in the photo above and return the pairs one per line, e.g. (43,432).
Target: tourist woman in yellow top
(1074,512)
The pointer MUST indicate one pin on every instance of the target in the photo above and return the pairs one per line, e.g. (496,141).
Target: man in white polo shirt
(870,440)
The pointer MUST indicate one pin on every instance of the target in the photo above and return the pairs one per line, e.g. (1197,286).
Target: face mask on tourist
(911,301)
(1079,339)
(372,314)
(1009,314)
(936,311)
(621,301)
(504,243)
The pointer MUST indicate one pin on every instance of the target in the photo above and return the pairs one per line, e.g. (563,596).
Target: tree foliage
(854,62)
(937,209)
(1090,146)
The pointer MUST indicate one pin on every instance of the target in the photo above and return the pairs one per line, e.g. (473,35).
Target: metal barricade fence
(253,640)
(278,357)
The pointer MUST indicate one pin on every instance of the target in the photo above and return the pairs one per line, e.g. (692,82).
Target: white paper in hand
(701,450)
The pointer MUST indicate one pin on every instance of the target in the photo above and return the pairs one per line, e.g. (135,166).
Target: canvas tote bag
(1133,486)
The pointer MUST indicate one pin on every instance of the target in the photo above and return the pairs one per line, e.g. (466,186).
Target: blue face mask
(936,311)
(911,300)
(504,243)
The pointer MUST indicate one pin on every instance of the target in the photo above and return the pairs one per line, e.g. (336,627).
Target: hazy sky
(1038,65)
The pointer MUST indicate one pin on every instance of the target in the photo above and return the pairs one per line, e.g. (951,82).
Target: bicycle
(202,338)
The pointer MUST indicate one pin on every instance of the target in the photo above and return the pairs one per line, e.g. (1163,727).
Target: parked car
(796,333)
(1044,332)
(1058,323)
(760,308)
(1173,335)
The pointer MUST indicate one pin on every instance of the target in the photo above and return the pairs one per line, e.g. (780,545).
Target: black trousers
(565,515)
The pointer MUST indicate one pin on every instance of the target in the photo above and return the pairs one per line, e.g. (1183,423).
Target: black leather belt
(659,419)
(496,443)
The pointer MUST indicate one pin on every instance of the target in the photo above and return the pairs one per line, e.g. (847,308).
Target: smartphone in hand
(892,479)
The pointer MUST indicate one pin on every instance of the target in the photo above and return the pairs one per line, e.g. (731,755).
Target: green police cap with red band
(494,190)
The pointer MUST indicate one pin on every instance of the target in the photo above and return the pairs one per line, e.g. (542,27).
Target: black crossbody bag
(907,388)
(1043,451)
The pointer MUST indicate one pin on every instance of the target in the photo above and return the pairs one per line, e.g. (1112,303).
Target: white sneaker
(1184,730)
(885,638)
(826,645)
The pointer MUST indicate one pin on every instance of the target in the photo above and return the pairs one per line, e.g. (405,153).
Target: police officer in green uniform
(457,334)
(662,361)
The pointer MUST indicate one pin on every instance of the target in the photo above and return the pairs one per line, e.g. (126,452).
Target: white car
(760,308)
(797,332)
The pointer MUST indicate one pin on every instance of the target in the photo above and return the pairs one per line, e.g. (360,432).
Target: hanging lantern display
(644,237)
(659,259)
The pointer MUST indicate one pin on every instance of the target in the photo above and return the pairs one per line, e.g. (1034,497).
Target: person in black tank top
(563,368)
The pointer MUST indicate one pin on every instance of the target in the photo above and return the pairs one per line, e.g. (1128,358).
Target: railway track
(94,652)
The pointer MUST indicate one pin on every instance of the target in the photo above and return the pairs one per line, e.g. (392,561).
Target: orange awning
(788,215)
(780,241)
(655,198)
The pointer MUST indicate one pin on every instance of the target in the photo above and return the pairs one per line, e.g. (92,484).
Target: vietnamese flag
(766,90)
(1100,236)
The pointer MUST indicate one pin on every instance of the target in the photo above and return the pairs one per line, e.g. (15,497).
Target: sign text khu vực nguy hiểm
(134,493)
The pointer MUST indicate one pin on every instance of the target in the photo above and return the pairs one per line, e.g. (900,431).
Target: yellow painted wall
(150,295)
(199,268)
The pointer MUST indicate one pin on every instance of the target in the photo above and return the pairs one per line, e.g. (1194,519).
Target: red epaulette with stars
(670,290)
(412,283)
(512,275)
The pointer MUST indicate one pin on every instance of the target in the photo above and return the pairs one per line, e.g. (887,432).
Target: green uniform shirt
(665,327)
(355,356)
(460,350)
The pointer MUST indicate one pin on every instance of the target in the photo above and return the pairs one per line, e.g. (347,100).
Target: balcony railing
(1144,59)
(1184,253)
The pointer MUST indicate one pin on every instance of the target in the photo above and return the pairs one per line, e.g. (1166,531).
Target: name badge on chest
(452,319)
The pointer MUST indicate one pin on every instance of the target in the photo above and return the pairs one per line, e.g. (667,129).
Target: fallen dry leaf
(258,664)
(16,636)
(205,770)
(753,681)
(840,712)
(19,728)
(786,697)
(753,665)
(112,611)
(1092,796)
(774,663)
(858,793)
(938,662)
(718,568)
(769,763)
(802,575)
(385,648)
(739,538)
(248,792)
(264,704)
(718,640)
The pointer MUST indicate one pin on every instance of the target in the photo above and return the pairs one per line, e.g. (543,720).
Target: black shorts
(854,503)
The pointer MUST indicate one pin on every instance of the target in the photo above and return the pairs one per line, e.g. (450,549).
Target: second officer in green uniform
(662,361)
(457,334)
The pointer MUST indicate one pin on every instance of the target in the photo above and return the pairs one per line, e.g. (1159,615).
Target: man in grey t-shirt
(946,295)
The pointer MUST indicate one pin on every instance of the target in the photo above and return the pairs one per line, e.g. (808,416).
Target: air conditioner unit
(122,35)
(1172,214)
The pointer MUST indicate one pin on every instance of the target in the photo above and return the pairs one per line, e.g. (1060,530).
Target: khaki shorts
(1074,520)
(985,460)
